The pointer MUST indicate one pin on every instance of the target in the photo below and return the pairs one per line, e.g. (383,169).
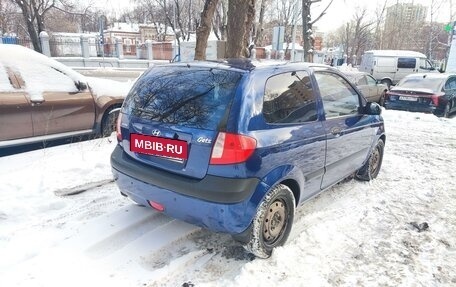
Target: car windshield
(421,83)
(194,97)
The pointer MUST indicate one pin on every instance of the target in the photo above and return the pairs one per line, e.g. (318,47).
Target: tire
(446,111)
(272,223)
(108,123)
(381,101)
(373,164)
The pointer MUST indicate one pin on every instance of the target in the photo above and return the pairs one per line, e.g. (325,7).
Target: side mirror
(81,86)
(372,109)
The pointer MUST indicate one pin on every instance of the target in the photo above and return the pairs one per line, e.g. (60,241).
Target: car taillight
(118,130)
(232,148)
(435,100)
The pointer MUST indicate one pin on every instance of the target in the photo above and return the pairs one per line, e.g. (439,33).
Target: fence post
(44,38)
(268,54)
(150,53)
(85,46)
(253,54)
(119,48)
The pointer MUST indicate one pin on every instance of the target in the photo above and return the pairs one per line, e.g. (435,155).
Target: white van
(390,66)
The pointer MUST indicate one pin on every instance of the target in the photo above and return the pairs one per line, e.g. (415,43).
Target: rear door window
(339,98)
(194,97)
(406,63)
(289,98)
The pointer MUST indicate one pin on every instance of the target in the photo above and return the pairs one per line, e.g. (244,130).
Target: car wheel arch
(288,176)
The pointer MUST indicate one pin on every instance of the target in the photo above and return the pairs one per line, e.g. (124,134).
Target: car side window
(450,84)
(6,82)
(289,98)
(339,98)
(406,63)
(371,81)
(42,78)
(361,81)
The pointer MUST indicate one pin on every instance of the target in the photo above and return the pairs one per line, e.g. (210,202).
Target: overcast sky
(340,12)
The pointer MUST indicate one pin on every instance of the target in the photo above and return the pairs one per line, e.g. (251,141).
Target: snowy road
(355,234)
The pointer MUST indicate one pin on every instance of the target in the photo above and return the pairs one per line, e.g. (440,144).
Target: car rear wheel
(446,112)
(272,223)
(381,101)
(108,123)
(372,167)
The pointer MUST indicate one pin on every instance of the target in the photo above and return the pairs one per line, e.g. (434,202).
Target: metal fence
(15,40)
(65,47)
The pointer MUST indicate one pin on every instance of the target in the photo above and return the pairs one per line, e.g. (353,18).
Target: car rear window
(421,83)
(195,97)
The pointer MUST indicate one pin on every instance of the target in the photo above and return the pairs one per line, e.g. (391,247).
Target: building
(401,24)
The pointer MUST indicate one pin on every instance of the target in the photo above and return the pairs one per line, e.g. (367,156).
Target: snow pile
(398,230)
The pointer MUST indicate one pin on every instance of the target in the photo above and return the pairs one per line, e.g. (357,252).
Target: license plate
(409,99)
(158,146)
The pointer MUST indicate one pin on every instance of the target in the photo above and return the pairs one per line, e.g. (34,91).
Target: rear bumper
(216,203)
(395,105)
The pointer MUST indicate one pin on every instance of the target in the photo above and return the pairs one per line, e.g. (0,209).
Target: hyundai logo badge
(156,133)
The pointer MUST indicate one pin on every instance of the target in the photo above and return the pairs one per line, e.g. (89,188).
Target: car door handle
(37,102)
(336,131)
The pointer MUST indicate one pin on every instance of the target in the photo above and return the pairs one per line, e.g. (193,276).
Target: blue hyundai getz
(235,146)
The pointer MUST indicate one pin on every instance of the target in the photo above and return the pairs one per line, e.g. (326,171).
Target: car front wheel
(272,222)
(108,124)
(372,166)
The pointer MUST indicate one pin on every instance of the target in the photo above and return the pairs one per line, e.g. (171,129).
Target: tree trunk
(239,17)
(28,18)
(259,31)
(248,27)
(305,28)
(203,31)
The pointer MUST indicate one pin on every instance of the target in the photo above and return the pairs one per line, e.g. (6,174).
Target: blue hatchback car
(236,146)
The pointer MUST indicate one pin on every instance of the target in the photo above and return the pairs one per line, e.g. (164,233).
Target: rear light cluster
(232,148)
(435,100)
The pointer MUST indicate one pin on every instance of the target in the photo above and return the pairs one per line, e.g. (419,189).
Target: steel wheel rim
(275,221)
(374,161)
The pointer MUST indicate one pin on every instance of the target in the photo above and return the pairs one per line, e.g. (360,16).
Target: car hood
(111,88)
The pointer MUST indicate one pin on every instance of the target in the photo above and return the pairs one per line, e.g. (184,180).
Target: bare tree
(34,13)
(307,24)
(205,27)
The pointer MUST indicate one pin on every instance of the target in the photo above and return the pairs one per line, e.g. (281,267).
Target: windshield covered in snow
(431,83)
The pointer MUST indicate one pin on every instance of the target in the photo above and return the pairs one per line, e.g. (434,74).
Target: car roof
(395,53)
(11,54)
(247,65)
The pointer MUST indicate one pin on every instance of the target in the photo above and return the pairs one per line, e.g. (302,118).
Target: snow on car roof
(13,53)
(42,73)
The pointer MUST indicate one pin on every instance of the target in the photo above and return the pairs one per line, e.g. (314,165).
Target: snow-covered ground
(64,223)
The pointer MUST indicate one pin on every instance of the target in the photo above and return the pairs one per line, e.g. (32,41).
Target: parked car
(372,90)
(42,99)
(390,66)
(235,146)
(428,93)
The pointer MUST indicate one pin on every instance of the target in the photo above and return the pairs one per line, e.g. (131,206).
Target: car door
(375,90)
(295,134)
(57,105)
(15,110)
(348,133)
